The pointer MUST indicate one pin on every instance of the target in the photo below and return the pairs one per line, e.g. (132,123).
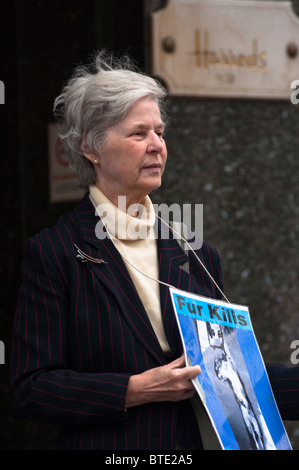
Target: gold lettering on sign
(205,58)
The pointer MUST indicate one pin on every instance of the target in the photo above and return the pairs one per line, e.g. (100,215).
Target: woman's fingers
(188,371)
(172,382)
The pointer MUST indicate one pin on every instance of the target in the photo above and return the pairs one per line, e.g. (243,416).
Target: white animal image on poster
(233,385)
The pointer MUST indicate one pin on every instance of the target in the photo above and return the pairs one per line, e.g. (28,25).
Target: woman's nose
(156,143)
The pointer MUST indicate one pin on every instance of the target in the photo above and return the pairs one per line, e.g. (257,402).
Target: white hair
(93,100)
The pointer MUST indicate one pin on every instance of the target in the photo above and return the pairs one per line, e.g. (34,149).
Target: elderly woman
(96,346)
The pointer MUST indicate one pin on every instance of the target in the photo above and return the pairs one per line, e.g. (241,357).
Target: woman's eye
(160,135)
(138,133)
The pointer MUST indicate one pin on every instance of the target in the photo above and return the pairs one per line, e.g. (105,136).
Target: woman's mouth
(153,167)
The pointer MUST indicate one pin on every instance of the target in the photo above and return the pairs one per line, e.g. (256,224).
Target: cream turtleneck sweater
(134,238)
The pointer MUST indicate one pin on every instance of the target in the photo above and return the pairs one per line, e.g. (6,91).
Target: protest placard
(234,401)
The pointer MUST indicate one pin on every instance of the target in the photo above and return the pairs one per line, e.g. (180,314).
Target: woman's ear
(91,157)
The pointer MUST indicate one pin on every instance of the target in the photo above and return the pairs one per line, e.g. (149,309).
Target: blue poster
(233,386)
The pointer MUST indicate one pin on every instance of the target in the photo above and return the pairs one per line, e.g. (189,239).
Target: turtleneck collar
(118,222)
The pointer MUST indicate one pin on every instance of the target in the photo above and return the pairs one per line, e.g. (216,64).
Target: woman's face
(134,154)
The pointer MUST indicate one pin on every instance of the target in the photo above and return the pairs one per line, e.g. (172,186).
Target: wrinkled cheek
(164,161)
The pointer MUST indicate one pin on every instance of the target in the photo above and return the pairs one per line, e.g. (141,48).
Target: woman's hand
(166,383)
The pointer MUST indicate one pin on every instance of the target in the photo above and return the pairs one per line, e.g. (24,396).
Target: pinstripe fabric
(81,330)
(285,385)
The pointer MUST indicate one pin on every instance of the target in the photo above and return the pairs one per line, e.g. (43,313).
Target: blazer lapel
(114,274)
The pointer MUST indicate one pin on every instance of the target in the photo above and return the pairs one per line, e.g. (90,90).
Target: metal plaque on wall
(226,48)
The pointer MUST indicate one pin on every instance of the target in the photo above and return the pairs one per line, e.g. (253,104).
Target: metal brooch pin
(84,258)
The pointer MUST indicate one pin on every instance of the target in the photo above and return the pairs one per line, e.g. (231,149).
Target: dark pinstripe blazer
(81,330)
(285,385)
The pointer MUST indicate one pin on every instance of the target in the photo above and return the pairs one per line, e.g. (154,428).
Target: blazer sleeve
(43,386)
(285,386)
